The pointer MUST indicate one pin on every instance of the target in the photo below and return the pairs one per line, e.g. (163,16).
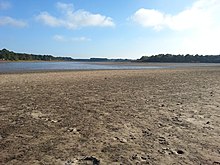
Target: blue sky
(110,28)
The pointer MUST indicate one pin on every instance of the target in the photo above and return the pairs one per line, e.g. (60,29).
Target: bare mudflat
(111,117)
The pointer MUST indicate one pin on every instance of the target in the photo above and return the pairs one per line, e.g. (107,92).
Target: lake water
(40,66)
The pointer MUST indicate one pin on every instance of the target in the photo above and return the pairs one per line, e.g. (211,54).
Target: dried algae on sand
(111,117)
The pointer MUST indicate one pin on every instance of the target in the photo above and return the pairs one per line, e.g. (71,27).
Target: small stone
(115,138)
(123,140)
(71,129)
(180,152)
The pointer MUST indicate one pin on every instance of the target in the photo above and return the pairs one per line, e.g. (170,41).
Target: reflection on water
(37,66)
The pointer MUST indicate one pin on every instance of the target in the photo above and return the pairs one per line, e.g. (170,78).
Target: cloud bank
(201,14)
(74,19)
(193,30)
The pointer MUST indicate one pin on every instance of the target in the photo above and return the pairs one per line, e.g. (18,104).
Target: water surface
(6,67)
(41,66)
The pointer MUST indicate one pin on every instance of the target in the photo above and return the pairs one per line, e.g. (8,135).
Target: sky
(110,28)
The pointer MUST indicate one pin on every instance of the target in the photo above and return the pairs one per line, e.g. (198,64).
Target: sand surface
(111,117)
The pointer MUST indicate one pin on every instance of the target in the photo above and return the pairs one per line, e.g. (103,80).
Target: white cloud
(4,21)
(47,19)
(4,5)
(61,38)
(201,14)
(64,7)
(194,30)
(149,18)
(9,21)
(74,19)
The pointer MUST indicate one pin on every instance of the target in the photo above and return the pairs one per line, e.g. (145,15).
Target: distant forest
(181,58)
(6,55)
(12,56)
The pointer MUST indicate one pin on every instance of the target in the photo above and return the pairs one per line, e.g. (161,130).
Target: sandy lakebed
(165,116)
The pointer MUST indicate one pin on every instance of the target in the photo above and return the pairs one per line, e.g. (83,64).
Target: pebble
(123,140)
(180,152)
(72,130)
(207,122)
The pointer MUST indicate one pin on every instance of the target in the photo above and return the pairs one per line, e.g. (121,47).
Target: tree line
(7,55)
(12,56)
(181,58)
